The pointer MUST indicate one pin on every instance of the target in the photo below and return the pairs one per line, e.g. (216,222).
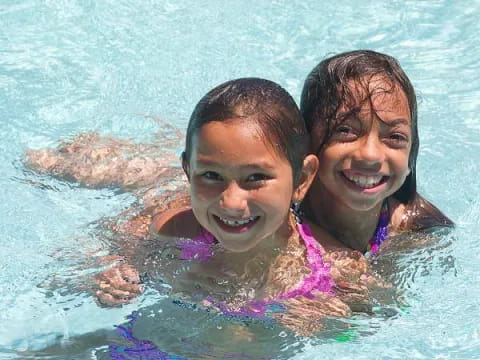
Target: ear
(307,174)
(185,167)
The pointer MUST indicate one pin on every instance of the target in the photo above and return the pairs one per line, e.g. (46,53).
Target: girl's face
(241,189)
(366,158)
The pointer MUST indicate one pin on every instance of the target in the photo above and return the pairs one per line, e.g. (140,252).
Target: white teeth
(365,181)
(237,222)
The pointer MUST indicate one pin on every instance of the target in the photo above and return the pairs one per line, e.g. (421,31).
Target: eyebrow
(345,116)
(259,165)
(395,122)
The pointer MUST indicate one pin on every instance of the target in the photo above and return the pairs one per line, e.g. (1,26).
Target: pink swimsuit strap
(319,279)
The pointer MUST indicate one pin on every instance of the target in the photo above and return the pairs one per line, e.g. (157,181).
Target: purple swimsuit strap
(199,248)
(381,232)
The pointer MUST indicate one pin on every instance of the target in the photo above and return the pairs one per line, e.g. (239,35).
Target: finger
(129,274)
(112,274)
(121,284)
(116,279)
(120,294)
(107,299)
(120,289)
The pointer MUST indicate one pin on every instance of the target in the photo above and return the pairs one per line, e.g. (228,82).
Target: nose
(234,199)
(370,151)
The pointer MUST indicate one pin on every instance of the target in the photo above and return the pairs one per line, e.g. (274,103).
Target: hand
(118,285)
(354,281)
(347,265)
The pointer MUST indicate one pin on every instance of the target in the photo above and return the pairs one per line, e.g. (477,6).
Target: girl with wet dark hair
(247,161)
(360,109)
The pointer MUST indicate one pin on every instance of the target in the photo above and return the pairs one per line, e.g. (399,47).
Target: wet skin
(366,159)
(241,189)
(364,162)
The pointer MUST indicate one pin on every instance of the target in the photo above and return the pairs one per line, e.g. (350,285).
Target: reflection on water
(72,66)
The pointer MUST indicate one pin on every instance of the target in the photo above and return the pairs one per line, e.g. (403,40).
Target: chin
(238,248)
(235,249)
(363,205)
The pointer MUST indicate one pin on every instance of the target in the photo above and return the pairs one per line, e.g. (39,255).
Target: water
(68,66)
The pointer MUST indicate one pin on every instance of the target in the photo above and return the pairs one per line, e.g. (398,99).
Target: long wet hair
(261,102)
(326,89)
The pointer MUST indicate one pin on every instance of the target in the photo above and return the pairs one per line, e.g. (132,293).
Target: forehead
(376,94)
(233,141)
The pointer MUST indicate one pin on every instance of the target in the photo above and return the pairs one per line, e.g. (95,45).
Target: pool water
(68,66)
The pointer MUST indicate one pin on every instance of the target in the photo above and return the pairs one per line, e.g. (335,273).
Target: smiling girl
(361,111)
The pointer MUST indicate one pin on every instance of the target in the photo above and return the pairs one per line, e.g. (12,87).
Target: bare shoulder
(175,222)
(398,214)
(417,215)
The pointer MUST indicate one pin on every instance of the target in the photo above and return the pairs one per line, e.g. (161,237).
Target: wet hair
(261,102)
(326,89)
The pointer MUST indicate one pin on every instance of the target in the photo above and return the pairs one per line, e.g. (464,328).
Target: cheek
(326,163)
(401,164)
(331,155)
(202,192)
(277,200)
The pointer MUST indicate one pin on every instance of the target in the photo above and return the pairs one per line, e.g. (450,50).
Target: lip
(359,189)
(235,229)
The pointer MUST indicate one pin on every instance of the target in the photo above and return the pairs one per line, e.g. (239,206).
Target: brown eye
(211,175)
(344,133)
(257,177)
(397,140)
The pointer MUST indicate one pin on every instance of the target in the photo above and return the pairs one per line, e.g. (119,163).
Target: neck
(354,228)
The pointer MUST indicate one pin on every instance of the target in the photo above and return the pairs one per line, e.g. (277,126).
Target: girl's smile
(364,183)
(238,225)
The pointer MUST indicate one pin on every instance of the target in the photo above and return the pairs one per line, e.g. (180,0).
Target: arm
(145,249)
(417,215)
(93,160)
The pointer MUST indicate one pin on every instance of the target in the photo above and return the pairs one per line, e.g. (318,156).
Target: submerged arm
(93,160)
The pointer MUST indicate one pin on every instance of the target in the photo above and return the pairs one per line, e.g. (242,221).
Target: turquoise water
(68,66)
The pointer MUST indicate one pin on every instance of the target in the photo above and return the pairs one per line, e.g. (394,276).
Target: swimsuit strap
(381,233)
(199,248)
(319,278)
